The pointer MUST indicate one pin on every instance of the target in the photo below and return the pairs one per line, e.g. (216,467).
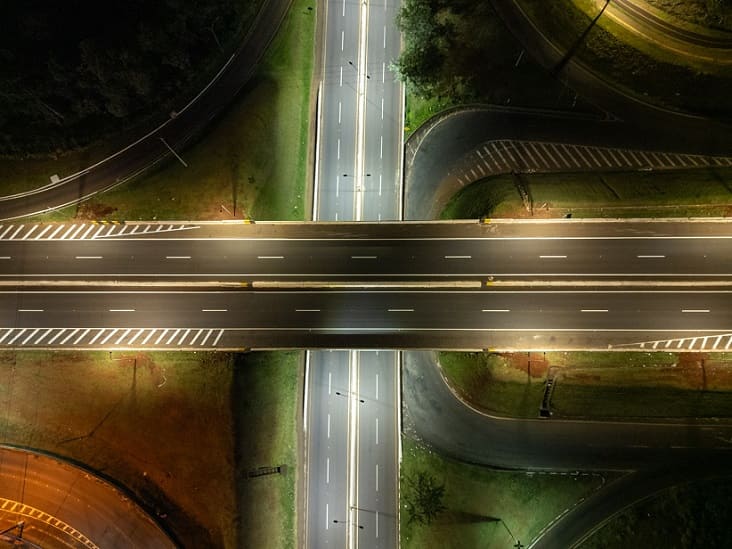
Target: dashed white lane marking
(134,337)
(307,310)
(458,257)
(327,522)
(270,257)
(31,336)
(72,334)
(594,310)
(43,336)
(55,337)
(30,310)
(214,310)
(552,257)
(327,470)
(400,310)
(147,337)
(364,257)
(193,341)
(89,257)
(205,339)
(109,336)
(77,231)
(694,310)
(377,385)
(377,431)
(328,426)
(343,38)
(44,231)
(184,336)
(339,113)
(377,477)
(177,257)
(121,310)
(90,229)
(161,336)
(173,336)
(496,310)
(651,256)
(121,338)
(5,257)
(94,339)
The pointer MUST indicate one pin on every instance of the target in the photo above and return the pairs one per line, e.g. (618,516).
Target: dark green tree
(422,497)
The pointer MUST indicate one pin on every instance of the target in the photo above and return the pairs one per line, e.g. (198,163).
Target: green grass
(715,15)
(264,396)
(488,382)
(664,82)
(476,496)
(420,109)
(159,423)
(703,192)
(595,384)
(254,160)
(690,515)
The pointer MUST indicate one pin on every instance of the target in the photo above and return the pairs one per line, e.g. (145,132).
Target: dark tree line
(71,71)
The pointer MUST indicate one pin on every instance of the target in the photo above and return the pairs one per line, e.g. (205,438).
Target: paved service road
(86,511)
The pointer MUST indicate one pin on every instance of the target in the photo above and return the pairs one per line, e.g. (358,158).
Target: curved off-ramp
(62,505)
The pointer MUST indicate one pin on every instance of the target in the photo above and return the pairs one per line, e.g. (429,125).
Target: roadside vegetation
(596,385)
(209,418)
(689,515)
(459,52)
(234,171)
(480,505)
(264,397)
(158,423)
(661,79)
(715,14)
(684,193)
(76,72)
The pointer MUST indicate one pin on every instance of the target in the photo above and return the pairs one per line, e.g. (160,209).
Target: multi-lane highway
(358,177)
(568,285)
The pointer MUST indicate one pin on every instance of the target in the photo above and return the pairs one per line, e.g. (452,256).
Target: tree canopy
(71,71)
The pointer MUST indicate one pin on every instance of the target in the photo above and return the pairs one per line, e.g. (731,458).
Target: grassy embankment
(693,515)
(595,384)
(477,497)
(483,50)
(653,73)
(704,192)
(715,15)
(22,173)
(217,415)
(237,168)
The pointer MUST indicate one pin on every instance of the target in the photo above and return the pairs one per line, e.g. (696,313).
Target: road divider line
(214,310)
(594,310)
(651,256)
(307,310)
(335,284)
(89,257)
(364,257)
(177,257)
(695,310)
(496,310)
(121,310)
(30,310)
(400,310)
(552,257)
(270,257)
(458,257)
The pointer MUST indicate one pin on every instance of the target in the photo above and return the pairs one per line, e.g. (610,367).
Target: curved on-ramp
(62,505)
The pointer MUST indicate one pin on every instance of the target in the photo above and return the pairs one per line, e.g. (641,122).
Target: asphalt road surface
(87,512)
